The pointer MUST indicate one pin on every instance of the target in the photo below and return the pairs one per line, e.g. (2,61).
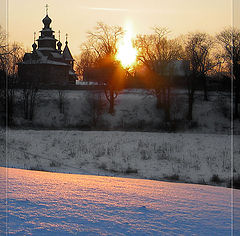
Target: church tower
(47,41)
(68,56)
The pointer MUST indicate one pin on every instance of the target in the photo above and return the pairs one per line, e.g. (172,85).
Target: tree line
(205,56)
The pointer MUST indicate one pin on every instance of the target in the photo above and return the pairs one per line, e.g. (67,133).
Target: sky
(76,17)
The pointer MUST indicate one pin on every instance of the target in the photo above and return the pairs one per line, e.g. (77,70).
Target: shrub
(172,177)
(216,179)
(37,168)
(129,170)
(193,125)
(103,166)
(54,164)
(144,155)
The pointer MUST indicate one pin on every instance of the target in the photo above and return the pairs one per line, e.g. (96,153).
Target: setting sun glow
(126,52)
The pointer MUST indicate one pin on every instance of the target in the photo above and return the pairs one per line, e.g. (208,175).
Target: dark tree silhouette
(230,40)
(29,98)
(198,48)
(9,56)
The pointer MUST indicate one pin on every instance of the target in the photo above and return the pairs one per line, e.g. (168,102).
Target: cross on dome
(59,35)
(66,38)
(46,9)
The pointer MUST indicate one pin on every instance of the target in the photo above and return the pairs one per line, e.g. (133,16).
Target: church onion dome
(59,44)
(46,21)
(34,46)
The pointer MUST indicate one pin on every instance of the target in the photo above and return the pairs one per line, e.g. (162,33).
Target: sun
(126,53)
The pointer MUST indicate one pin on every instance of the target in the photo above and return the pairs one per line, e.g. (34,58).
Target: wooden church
(47,64)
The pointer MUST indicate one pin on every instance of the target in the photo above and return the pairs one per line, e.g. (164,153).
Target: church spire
(66,39)
(47,39)
(46,21)
(66,52)
(59,44)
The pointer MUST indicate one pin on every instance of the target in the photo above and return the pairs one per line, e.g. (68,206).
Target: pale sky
(76,17)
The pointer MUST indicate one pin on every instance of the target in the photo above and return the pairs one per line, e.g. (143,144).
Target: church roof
(44,61)
(29,58)
(49,49)
(67,54)
(56,55)
(46,38)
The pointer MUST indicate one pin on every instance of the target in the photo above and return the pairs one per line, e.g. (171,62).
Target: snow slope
(192,158)
(43,203)
(134,110)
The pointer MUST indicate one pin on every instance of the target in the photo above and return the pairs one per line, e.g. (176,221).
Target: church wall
(44,73)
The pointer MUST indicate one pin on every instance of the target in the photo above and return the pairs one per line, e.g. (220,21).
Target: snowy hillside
(43,203)
(134,110)
(192,158)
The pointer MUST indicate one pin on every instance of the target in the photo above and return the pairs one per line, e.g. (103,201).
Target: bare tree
(16,53)
(193,53)
(3,74)
(9,56)
(103,39)
(103,47)
(29,98)
(61,100)
(230,40)
(114,86)
(4,50)
(157,53)
(198,48)
(113,76)
(95,106)
(85,60)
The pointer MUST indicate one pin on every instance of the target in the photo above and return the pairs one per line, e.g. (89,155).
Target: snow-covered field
(43,203)
(192,158)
